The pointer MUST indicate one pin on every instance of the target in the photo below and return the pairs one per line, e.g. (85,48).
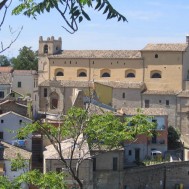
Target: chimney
(187,38)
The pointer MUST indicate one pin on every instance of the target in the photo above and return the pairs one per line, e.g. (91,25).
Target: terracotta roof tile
(156,92)
(6,69)
(24,72)
(166,47)
(145,111)
(5,78)
(130,54)
(10,151)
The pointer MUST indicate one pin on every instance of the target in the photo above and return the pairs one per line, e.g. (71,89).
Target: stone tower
(46,48)
(49,46)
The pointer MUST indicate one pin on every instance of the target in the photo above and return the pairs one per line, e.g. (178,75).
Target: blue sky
(149,21)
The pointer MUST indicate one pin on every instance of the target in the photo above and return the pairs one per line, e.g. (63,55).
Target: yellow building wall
(170,65)
(104,93)
(94,67)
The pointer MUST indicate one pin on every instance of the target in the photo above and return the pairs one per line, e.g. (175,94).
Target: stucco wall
(132,98)
(168,63)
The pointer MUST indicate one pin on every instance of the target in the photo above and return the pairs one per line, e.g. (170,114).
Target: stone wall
(163,176)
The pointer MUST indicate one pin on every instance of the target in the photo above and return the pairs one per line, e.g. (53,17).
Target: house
(141,148)
(51,161)
(10,122)
(25,82)
(9,152)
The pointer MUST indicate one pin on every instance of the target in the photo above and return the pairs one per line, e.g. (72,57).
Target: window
(123,95)
(146,103)
(1,135)
(1,111)
(45,92)
(105,74)
(2,121)
(60,74)
(1,94)
(20,121)
(94,164)
(115,164)
(156,75)
(130,75)
(167,102)
(45,49)
(159,101)
(19,84)
(130,152)
(82,74)
(156,55)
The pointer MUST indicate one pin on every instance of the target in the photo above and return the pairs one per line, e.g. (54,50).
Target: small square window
(146,103)
(58,169)
(1,94)
(115,163)
(45,92)
(130,152)
(156,55)
(2,121)
(167,102)
(20,121)
(1,135)
(19,84)
(123,95)
(159,101)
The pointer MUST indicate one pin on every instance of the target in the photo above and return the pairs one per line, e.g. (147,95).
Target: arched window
(156,75)
(130,75)
(81,73)
(45,49)
(54,100)
(60,74)
(105,73)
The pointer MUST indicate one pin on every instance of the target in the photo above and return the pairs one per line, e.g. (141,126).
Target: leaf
(106,9)
(102,5)
(80,19)
(98,4)
(86,15)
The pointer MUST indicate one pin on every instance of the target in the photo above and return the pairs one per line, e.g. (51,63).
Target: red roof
(6,69)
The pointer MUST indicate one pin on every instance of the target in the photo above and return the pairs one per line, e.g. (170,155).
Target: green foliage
(173,137)
(26,60)
(4,61)
(48,180)
(72,11)
(18,163)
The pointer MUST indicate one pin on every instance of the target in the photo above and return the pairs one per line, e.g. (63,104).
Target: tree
(4,61)
(26,60)
(71,11)
(105,132)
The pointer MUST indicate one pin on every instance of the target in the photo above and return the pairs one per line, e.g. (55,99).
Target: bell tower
(49,46)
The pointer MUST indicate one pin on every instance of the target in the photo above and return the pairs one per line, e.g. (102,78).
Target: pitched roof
(7,69)
(166,47)
(157,92)
(11,112)
(145,111)
(119,84)
(67,83)
(12,101)
(184,93)
(25,72)
(5,78)
(128,54)
(66,146)
(11,152)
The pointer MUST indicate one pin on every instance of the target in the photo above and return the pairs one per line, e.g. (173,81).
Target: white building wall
(10,123)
